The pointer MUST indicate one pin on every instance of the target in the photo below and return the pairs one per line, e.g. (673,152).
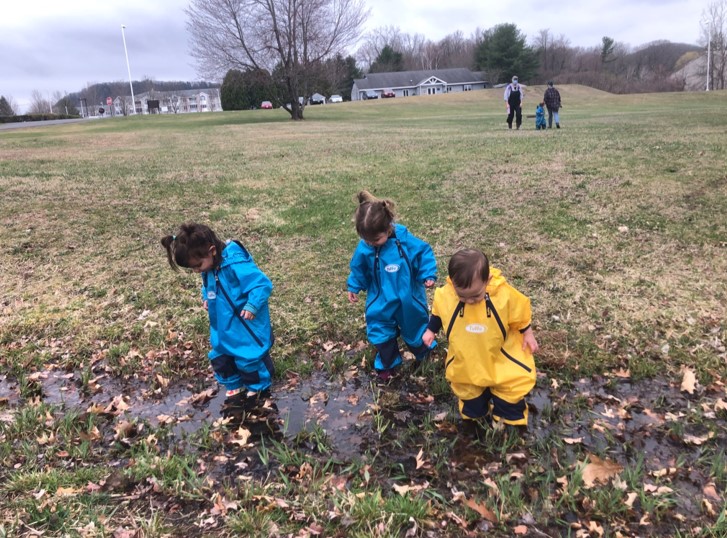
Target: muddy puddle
(346,416)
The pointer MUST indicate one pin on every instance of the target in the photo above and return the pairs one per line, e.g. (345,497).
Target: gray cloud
(50,46)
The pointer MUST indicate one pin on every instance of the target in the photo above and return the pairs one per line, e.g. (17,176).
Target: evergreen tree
(243,90)
(503,52)
(388,61)
(5,108)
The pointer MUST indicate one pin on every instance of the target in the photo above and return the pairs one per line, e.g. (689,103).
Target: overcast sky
(52,46)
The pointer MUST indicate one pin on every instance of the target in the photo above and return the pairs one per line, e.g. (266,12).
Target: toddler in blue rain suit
(235,294)
(394,268)
(540,117)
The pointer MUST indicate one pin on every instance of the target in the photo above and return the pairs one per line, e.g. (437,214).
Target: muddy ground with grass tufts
(614,225)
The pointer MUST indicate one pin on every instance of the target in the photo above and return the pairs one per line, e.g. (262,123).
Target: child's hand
(247,315)
(428,338)
(529,340)
(352,297)
(428,283)
(204,305)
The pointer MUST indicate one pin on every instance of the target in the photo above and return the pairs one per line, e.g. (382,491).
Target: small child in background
(235,294)
(489,363)
(394,268)
(540,117)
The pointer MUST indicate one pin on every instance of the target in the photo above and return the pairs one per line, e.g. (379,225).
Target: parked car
(335,98)
(370,94)
(387,94)
(266,104)
(317,99)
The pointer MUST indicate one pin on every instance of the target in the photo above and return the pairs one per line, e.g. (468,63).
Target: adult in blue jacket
(394,267)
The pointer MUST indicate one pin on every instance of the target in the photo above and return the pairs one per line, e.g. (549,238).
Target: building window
(468,87)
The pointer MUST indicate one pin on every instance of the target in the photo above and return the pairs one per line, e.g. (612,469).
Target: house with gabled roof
(424,82)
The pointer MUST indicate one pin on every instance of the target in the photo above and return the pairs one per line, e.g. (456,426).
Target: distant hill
(657,58)
(650,68)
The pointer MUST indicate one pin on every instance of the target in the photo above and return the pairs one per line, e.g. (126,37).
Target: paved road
(23,124)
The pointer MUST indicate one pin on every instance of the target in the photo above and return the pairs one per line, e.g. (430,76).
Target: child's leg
(226,373)
(388,355)
(256,375)
(413,319)
(476,408)
(421,351)
(515,414)
(383,334)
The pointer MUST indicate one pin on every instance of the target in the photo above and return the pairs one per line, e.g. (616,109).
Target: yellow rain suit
(486,365)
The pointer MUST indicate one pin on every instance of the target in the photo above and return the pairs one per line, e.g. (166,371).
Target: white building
(171,102)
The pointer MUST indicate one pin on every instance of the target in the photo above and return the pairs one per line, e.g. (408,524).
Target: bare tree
(39,104)
(289,39)
(455,50)
(714,35)
(374,43)
(542,44)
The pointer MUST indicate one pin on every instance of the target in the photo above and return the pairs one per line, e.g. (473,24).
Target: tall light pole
(709,51)
(133,101)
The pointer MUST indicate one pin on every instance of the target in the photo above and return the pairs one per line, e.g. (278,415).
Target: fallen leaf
(694,440)
(520,529)
(599,471)
(124,429)
(664,472)
(67,492)
(711,491)
(595,527)
(516,457)
(689,380)
(481,509)
(421,462)
(46,439)
(630,498)
(573,440)
(241,437)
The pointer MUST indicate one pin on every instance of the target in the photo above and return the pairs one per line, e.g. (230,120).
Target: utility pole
(709,52)
(133,101)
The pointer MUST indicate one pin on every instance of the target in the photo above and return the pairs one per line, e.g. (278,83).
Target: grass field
(614,225)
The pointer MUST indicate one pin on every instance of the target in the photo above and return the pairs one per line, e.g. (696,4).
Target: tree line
(280,50)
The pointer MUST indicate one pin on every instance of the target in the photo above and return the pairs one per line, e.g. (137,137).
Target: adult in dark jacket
(514,97)
(552,102)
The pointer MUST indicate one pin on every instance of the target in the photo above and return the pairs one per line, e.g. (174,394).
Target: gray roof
(404,79)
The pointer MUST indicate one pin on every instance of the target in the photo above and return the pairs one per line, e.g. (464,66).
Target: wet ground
(349,415)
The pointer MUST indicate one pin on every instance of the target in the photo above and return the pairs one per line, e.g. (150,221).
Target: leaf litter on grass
(620,423)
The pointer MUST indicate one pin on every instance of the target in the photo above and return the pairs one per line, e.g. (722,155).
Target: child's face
(378,240)
(473,294)
(201,265)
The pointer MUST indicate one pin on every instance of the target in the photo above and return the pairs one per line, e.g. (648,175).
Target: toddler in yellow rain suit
(489,364)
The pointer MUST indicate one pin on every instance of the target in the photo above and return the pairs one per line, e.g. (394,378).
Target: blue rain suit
(393,277)
(540,118)
(240,350)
